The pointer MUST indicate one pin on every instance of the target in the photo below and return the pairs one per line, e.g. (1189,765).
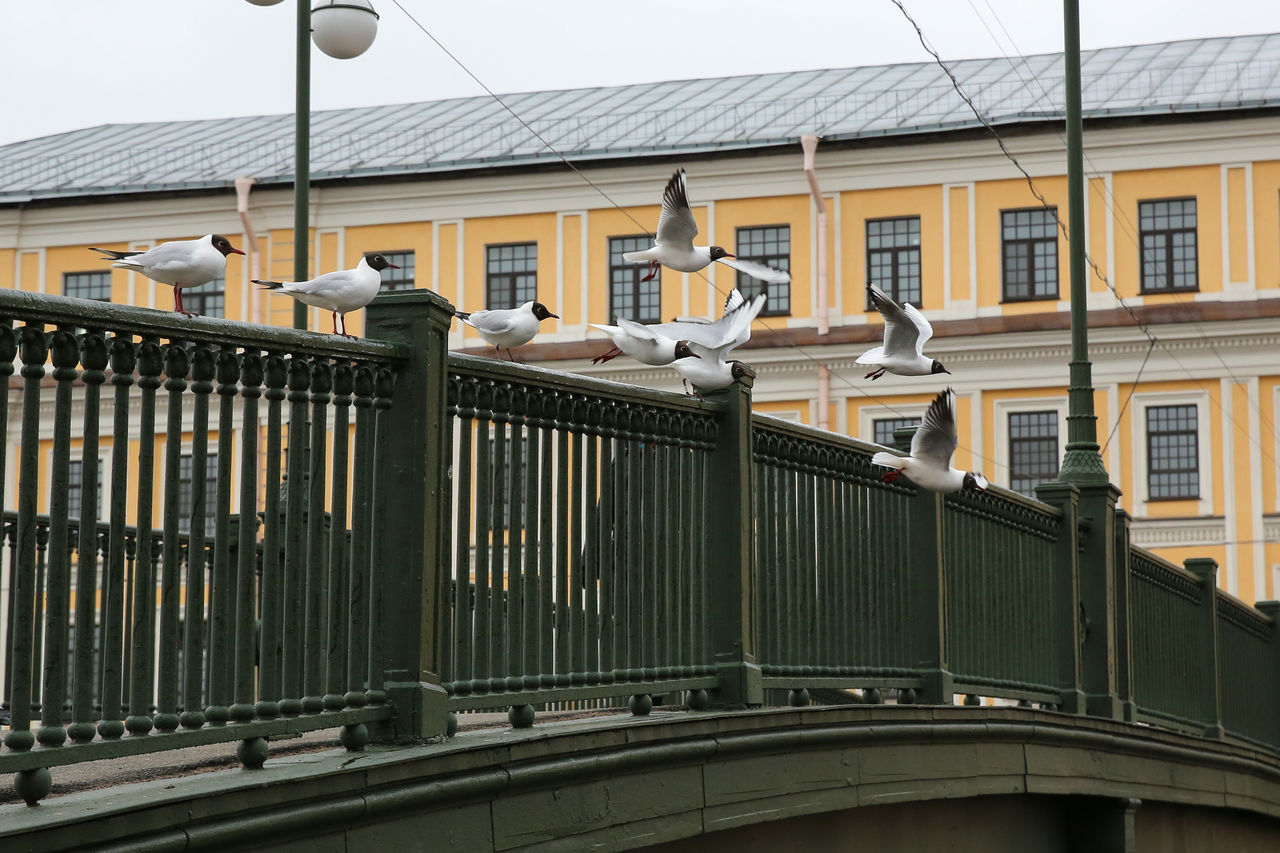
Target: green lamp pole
(302,158)
(1082,463)
(343,29)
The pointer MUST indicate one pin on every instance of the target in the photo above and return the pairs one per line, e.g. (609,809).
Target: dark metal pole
(302,157)
(1081,463)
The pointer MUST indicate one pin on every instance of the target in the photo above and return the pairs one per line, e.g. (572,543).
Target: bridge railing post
(731,529)
(1206,569)
(1124,646)
(1067,610)
(410,495)
(1271,609)
(928,587)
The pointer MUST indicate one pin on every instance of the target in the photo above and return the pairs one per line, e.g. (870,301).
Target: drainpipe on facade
(243,186)
(809,142)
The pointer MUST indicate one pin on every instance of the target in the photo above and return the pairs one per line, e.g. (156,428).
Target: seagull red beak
(727,255)
(393,266)
(236,252)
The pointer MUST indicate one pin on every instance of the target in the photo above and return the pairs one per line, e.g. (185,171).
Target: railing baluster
(141,684)
(590,498)
(113,679)
(223,592)
(94,357)
(176,366)
(484,526)
(8,352)
(317,552)
(563,489)
(463,612)
(34,352)
(514,629)
(383,442)
(193,648)
(532,529)
(276,375)
(497,450)
(604,544)
(66,355)
(362,501)
(577,585)
(546,541)
(337,623)
(246,646)
(294,547)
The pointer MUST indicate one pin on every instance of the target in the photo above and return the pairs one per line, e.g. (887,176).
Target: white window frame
(1138,407)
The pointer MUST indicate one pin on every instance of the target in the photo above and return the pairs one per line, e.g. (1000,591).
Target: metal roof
(671,117)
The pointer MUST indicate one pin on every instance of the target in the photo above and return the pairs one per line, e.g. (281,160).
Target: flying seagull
(180,263)
(674,244)
(505,328)
(652,344)
(929,465)
(905,333)
(337,292)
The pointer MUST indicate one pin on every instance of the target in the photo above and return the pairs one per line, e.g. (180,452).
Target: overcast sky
(67,64)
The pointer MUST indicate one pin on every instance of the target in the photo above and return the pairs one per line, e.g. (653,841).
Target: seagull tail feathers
(889,460)
(635,257)
(269,285)
(113,254)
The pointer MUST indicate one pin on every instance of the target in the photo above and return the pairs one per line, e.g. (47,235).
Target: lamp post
(343,30)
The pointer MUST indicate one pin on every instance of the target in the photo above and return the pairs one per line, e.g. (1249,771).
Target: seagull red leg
(653,270)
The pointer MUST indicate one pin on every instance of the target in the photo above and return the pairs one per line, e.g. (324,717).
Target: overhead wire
(1151,337)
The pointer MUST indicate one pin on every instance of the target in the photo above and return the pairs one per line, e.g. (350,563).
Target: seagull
(674,247)
(181,263)
(652,344)
(337,292)
(507,327)
(905,333)
(709,371)
(929,465)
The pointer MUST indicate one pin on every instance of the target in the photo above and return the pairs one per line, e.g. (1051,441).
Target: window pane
(893,258)
(512,275)
(209,300)
(399,279)
(1173,456)
(87,285)
(1033,450)
(1030,253)
(1167,234)
(882,428)
(769,245)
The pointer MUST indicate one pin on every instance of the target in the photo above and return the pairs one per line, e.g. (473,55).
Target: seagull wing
(756,270)
(639,331)
(676,226)
(935,439)
(901,334)
(494,322)
(923,328)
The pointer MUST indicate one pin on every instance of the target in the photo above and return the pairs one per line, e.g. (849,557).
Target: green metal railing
(435,533)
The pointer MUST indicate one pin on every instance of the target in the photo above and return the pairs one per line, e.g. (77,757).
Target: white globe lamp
(343,29)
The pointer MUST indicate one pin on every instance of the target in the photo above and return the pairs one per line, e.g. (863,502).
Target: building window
(629,297)
(1033,450)
(1168,234)
(87,285)
(1029,246)
(1173,453)
(882,429)
(402,278)
(769,245)
(893,258)
(186,467)
(209,300)
(75,488)
(511,274)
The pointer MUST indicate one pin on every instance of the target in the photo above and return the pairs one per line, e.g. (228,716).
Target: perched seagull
(905,333)
(674,244)
(181,263)
(652,344)
(508,327)
(709,371)
(929,465)
(337,292)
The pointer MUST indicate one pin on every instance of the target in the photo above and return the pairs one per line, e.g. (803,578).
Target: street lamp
(343,30)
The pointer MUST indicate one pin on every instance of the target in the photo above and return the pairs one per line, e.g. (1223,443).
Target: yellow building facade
(1182,229)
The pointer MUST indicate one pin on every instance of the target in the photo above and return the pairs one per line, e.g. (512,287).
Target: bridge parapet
(491,535)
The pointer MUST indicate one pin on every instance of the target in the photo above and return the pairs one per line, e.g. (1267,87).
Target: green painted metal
(301,154)
(519,538)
